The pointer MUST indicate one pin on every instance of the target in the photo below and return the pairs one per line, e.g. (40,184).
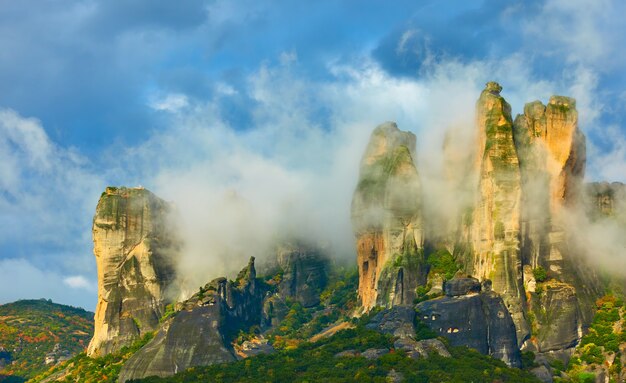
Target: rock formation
(496,218)
(387,221)
(134,246)
(199,334)
(551,150)
(552,157)
(305,273)
(603,199)
(469,316)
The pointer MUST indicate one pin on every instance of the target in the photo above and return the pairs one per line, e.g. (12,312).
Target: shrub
(540,274)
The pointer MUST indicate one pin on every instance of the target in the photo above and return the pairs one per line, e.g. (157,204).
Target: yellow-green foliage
(601,340)
(29,329)
(94,370)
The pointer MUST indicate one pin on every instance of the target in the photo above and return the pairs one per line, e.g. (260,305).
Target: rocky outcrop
(200,333)
(387,221)
(398,321)
(134,247)
(496,218)
(479,320)
(603,199)
(305,273)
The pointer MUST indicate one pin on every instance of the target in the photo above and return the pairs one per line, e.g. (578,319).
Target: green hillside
(32,331)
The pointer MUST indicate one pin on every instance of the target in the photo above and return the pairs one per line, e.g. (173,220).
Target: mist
(240,193)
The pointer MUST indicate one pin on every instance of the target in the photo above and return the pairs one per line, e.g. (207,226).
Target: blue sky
(272,101)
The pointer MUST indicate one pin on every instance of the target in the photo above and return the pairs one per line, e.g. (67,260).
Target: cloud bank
(255,133)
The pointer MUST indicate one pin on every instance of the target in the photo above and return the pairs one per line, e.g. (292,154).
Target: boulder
(397,321)
(461,286)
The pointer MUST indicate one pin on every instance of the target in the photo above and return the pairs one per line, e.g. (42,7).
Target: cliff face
(551,149)
(134,247)
(305,273)
(496,218)
(552,156)
(386,220)
(474,316)
(200,332)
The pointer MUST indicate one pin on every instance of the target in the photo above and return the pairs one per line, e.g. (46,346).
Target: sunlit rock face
(552,157)
(496,218)
(135,250)
(386,219)
(551,150)
(201,330)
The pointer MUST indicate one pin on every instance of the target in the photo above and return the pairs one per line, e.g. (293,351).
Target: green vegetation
(601,342)
(30,329)
(444,263)
(540,274)
(316,362)
(94,370)
(338,301)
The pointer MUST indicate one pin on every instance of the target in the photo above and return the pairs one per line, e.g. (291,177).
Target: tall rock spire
(496,217)
(386,219)
(134,250)
(552,157)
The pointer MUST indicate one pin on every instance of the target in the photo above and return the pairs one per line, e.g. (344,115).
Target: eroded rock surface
(386,219)
(305,273)
(496,218)
(201,331)
(477,320)
(135,248)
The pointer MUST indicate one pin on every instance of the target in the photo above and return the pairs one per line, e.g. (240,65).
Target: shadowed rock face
(201,331)
(479,320)
(386,220)
(305,273)
(496,218)
(134,248)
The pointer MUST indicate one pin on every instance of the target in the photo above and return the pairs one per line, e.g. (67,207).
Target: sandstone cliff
(200,332)
(386,219)
(552,156)
(551,150)
(496,218)
(134,248)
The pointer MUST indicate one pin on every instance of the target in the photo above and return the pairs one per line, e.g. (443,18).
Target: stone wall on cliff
(135,247)
(386,217)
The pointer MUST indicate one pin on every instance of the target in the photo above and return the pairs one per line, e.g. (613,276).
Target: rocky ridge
(200,331)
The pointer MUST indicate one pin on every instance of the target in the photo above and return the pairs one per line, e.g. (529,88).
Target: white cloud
(21,279)
(172,102)
(79,282)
